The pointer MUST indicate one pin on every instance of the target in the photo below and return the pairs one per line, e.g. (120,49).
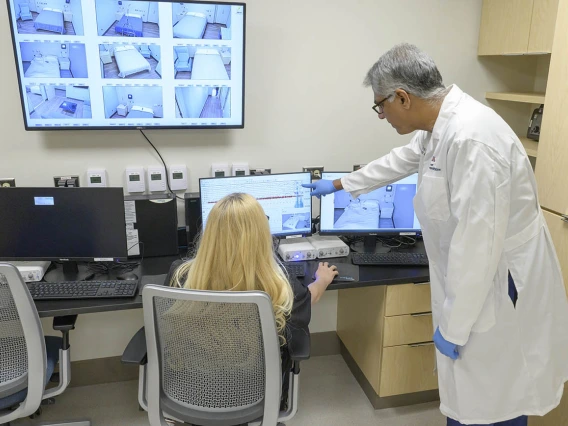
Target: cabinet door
(542,26)
(552,160)
(408,369)
(559,231)
(505,27)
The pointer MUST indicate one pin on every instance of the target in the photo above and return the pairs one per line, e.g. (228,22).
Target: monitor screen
(62,224)
(108,64)
(388,210)
(287,204)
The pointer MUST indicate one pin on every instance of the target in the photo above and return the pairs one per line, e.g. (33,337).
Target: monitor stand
(370,244)
(69,271)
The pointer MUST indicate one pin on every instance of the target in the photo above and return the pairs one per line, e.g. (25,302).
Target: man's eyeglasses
(378,107)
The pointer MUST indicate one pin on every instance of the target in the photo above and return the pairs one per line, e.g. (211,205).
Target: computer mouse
(128,276)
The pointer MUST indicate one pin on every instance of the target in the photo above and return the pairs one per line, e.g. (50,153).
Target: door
(226,104)
(222,14)
(110,100)
(210,12)
(505,27)
(543,24)
(48,91)
(153,12)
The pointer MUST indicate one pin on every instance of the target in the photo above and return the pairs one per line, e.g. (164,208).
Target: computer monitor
(129,64)
(63,224)
(387,211)
(287,204)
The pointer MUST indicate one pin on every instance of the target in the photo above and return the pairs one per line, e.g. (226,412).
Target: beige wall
(305,105)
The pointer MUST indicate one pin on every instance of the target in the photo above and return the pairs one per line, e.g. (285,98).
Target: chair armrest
(66,323)
(135,352)
(300,350)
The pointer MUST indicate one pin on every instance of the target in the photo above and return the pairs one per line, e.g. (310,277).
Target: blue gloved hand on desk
(321,187)
(447,348)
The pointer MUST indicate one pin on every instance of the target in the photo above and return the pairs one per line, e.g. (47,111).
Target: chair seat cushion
(52,346)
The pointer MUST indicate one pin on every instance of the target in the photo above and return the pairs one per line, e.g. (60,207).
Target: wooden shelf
(531,147)
(530,98)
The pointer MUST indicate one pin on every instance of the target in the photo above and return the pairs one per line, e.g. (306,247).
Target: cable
(165,167)
(120,267)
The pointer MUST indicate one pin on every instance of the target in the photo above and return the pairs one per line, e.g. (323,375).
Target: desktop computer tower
(192,216)
(151,220)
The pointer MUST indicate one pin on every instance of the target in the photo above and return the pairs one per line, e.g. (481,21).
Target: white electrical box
(97,178)
(156,178)
(240,169)
(294,250)
(220,170)
(178,177)
(135,181)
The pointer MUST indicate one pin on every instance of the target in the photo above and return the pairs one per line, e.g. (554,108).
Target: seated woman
(236,254)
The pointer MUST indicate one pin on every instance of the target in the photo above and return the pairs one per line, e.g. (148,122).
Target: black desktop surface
(154,270)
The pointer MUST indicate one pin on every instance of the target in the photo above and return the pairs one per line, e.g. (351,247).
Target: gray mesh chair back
(213,357)
(22,346)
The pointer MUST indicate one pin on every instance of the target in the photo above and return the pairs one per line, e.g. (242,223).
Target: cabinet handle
(564,218)
(418,345)
(426,283)
(422,314)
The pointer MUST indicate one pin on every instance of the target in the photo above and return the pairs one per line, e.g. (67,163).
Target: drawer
(407,299)
(407,369)
(408,329)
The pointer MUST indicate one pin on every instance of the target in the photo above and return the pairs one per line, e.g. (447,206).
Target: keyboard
(295,269)
(82,289)
(390,259)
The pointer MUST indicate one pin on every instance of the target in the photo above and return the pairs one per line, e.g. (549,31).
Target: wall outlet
(358,166)
(315,171)
(7,182)
(66,181)
(259,172)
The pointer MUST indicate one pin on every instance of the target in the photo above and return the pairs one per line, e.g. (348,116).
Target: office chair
(25,14)
(213,359)
(27,359)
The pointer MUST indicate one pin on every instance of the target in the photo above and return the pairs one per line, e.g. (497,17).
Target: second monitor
(387,211)
(286,203)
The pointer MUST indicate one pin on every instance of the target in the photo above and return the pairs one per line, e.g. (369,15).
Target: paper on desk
(132,241)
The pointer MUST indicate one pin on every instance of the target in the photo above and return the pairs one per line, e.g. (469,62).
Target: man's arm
(397,164)
(479,192)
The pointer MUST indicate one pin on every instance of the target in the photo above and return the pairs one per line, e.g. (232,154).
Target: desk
(368,276)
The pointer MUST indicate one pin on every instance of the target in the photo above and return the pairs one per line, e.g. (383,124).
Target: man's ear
(402,97)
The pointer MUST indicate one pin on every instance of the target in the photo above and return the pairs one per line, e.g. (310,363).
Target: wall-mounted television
(129,64)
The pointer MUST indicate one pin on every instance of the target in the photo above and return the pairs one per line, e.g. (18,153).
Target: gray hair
(406,67)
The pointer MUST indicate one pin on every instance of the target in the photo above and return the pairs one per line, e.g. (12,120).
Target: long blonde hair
(236,254)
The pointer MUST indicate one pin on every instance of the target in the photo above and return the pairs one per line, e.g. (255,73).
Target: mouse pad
(347,273)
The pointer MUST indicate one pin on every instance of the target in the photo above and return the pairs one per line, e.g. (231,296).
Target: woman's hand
(324,276)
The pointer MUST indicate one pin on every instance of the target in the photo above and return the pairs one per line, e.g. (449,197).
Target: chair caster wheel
(48,401)
(36,414)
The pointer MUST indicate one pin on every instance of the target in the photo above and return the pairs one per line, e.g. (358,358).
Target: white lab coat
(477,204)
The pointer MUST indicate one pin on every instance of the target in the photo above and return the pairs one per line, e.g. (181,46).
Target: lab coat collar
(449,104)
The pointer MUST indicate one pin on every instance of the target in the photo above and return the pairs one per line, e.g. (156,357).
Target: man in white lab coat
(498,300)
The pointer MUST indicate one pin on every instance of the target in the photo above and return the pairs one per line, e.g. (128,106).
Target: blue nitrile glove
(321,187)
(445,347)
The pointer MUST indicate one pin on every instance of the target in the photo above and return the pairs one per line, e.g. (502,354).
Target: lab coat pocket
(434,195)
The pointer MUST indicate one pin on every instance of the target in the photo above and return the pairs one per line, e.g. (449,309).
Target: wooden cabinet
(543,23)
(388,333)
(517,27)
(553,147)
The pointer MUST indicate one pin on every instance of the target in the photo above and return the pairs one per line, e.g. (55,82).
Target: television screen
(112,64)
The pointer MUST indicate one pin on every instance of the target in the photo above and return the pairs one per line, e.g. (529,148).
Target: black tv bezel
(280,235)
(368,232)
(157,127)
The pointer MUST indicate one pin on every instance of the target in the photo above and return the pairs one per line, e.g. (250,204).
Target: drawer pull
(418,345)
(423,314)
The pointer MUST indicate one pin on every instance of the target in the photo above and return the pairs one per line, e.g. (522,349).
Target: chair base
(80,423)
